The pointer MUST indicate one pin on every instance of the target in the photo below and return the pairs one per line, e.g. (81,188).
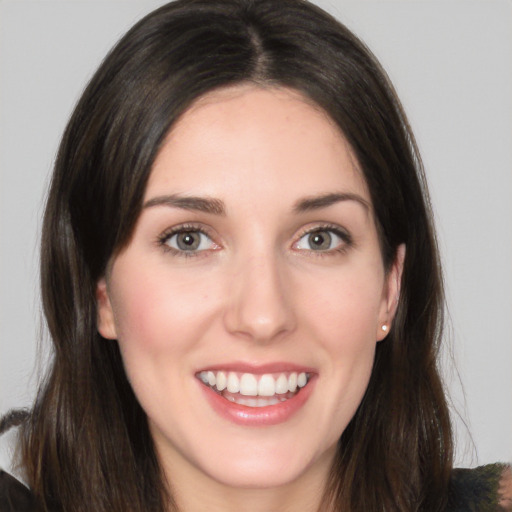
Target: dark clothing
(478,490)
(471,490)
(14,496)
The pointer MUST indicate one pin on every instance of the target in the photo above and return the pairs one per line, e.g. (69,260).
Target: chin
(257,474)
(254,465)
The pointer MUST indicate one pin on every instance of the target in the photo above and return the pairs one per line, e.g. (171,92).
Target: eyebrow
(217,207)
(324,200)
(200,204)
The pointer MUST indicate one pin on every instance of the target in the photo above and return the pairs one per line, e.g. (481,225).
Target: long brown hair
(86,444)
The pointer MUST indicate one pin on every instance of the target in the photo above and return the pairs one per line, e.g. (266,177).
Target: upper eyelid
(183,228)
(168,233)
(343,234)
(324,227)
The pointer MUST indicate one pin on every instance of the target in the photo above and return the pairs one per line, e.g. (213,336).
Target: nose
(259,306)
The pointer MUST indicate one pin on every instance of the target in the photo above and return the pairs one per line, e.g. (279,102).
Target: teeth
(282,384)
(222,381)
(233,383)
(248,385)
(257,402)
(267,386)
(292,382)
(251,385)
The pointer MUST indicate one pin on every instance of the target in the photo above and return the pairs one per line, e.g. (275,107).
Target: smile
(253,390)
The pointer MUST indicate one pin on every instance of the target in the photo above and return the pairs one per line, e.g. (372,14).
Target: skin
(255,291)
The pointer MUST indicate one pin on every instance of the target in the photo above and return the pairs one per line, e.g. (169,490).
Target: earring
(384,327)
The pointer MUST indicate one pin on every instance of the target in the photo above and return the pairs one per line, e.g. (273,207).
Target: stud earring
(384,327)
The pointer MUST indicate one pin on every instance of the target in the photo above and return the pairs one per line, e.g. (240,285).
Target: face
(250,299)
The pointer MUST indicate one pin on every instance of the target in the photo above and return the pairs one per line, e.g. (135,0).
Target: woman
(241,280)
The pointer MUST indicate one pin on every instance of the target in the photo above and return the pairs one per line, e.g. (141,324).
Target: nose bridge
(259,305)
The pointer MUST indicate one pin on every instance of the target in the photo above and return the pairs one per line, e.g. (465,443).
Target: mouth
(255,390)
(261,396)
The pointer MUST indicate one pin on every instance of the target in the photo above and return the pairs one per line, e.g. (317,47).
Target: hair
(86,444)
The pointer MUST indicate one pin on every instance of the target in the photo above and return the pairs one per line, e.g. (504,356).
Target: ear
(105,319)
(391,294)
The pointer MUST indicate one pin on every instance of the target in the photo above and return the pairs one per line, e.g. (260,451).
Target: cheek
(346,308)
(342,318)
(154,311)
(159,323)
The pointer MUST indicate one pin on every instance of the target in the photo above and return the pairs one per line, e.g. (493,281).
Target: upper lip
(258,369)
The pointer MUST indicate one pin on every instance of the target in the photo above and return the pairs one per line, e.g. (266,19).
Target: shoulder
(14,496)
(483,489)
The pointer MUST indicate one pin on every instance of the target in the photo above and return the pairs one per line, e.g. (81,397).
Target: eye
(187,240)
(323,240)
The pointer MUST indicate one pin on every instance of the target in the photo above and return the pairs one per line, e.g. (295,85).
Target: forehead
(255,139)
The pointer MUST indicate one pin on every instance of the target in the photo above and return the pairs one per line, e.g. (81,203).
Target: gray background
(451,62)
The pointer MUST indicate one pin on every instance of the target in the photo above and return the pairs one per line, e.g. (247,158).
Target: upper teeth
(254,385)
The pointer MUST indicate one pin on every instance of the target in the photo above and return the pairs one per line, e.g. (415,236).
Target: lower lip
(258,416)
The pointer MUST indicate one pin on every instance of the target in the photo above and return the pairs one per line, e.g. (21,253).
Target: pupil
(320,240)
(188,241)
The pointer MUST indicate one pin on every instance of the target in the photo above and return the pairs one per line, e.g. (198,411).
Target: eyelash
(330,228)
(164,238)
